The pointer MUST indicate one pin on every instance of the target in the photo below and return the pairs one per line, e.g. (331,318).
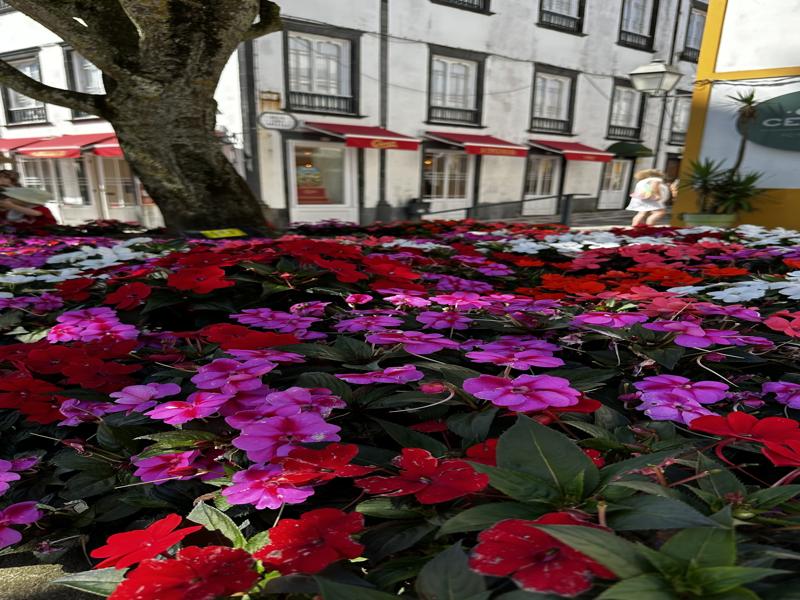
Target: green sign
(777,123)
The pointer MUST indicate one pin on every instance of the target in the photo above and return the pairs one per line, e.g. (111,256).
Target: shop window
(319,174)
(638,24)
(543,174)
(564,15)
(455,88)
(694,34)
(553,91)
(626,113)
(21,108)
(117,182)
(445,175)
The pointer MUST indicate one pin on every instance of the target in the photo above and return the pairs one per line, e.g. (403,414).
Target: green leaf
(72,461)
(216,520)
(648,487)
(611,472)
(394,571)
(666,357)
(101,582)
(613,552)
(745,594)
(585,379)
(484,516)
(182,437)
(448,577)
(353,350)
(408,438)
(316,351)
(385,508)
(472,427)
(719,481)
(387,538)
(706,546)
(643,587)
(453,373)
(716,580)
(517,485)
(85,485)
(529,447)
(523,595)
(772,497)
(655,512)
(331,590)
(257,542)
(324,380)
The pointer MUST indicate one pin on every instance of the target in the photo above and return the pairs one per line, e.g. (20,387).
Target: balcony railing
(550,125)
(443,114)
(677,138)
(479,5)
(623,133)
(322,103)
(562,22)
(690,54)
(26,115)
(636,40)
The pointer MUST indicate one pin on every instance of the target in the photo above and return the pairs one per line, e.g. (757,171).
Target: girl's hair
(645,173)
(10,174)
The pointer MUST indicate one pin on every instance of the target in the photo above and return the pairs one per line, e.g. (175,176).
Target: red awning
(66,146)
(486,145)
(8,144)
(360,136)
(108,147)
(573,150)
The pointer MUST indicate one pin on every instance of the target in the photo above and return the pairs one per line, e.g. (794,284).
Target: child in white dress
(649,198)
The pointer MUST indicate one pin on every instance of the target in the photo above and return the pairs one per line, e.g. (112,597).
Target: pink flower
(414,342)
(138,398)
(309,309)
(356,299)
(277,436)
(461,300)
(407,300)
(673,407)
(7,475)
(230,376)
(22,513)
(692,335)
(268,354)
(263,487)
(367,323)
(90,324)
(702,392)
(785,392)
(609,319)
(196,406)
(275,320)
(516,360)
(443,320)
(403,374)
(158,469)
(83,411)
(297,400)
(524,393)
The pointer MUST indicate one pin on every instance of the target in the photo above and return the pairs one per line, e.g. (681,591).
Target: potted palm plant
(722,193)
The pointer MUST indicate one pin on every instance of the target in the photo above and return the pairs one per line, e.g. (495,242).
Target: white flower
(686,290)
(742,291)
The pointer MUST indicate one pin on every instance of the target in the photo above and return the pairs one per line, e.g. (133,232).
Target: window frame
(353,36)
(558,165)
(485,10)
(469,174)
(11,57)
(72,83)
(577,29)
(676,136)
(573,92)
(625,83)
(629,42)
(479,59)
(690,54)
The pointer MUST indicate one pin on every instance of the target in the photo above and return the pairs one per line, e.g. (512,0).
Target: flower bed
(435,411)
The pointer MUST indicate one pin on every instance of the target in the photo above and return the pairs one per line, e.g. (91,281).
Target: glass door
(544,174)
(447,182)
(321,182)
(615,184)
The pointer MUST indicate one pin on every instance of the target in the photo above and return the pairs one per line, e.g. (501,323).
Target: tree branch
(269,20)
(15,79)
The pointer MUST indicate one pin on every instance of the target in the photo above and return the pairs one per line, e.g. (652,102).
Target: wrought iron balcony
(322,103)
(561,22)
(444,114)
(476,5)
(677,138)
(618,132)
(690,54)
(36,114)
(550,125)
(636,40)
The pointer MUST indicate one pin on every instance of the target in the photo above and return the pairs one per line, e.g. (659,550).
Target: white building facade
(501,99)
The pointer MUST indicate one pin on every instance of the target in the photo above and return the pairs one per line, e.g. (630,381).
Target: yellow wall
(779,207)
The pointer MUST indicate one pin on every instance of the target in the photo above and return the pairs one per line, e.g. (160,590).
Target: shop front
(615,185)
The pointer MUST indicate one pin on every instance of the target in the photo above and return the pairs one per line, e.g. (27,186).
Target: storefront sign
(54,153)
(495,151)
(277,120)
(777,123)
(223,233)
(381,144)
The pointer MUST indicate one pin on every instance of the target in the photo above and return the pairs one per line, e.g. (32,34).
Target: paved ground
(22,578)
(597,218)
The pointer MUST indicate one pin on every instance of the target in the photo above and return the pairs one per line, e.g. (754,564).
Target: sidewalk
(593,219)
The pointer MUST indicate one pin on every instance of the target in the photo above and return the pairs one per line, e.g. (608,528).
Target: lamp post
(656,79)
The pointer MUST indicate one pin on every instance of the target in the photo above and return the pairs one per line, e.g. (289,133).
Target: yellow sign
(223,233)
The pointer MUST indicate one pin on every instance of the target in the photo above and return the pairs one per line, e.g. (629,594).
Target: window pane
(562,7)
(299,64)
(636,16)
(453,83)
(319,175)
(438,78)
(445,175)
(88,78)
(625,111)
(694,35)
(680,121)
(29,67)
(547,176)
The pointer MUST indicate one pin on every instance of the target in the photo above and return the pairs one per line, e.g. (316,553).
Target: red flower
(32,397)
(788,323)
(96,374)
(128,548)
(430,426)
(202,280)
(75,289)
(389,269)
(430,480)
(595,456)
(129,296)
(741,425)
(785,454)
(239,337)
(344,271)
(52,359)
(108,347)
(194,574)
(715,271)
(534,560)
(304,465)
(309,544)
(485,452)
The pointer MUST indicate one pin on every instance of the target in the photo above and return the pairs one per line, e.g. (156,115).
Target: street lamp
(656,78)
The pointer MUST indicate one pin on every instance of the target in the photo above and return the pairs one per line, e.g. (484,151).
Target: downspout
(383,210)
(247,87)
(670,60)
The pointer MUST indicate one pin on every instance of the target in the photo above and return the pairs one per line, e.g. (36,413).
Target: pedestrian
(22,208)
(649,198)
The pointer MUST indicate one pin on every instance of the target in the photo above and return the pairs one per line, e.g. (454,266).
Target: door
(615,184)
(322,182)
(544,174)
(447,182)
(118,190)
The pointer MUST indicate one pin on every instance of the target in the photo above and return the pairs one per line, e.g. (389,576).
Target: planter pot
(709,220)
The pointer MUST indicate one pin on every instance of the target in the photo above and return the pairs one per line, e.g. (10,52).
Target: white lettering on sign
(777,122)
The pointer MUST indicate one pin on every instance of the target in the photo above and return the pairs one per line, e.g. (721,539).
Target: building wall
(734,59)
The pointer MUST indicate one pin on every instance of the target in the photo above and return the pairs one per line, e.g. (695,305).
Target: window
(445,175)
(474,5)
(626,113)
(553,92)
(681,110)
(638,24)
(694,35)
(542,179)
(564,15)
(321,72)
(455,86)
(319,174)
(20,108)
(82,76)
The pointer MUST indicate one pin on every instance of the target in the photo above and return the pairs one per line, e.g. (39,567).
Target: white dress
(648,195)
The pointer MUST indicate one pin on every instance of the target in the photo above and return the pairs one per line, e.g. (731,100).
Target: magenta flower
(356,299)
(7,475)
(138,398)
(702,392)
(403,374)
(230,376)
(277,436)
(276,320)
(24,463)
(461,300)
(673,407)
(609,319)
(163,467)
(263,487)
(443,320)
(414,342)
(516,360)
(524,393)
(785,392)
(692,335)
(736,311)
(296,400)
(90,324)
(407,300)
(196,406)
(22,513)
(83,411)
(367,323)
(268,354)
(314,308)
